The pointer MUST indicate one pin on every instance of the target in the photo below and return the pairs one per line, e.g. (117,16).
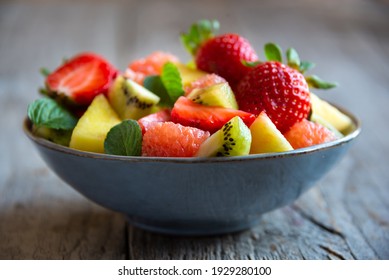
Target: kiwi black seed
(215,95)
(133,99)
(233,139)
(228,141)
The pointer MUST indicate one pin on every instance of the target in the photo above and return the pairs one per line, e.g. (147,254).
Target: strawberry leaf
(198,33)
(171,79)
(306,66)
(48,113)
(250,63)
(293,58)
(315,82)
(273,52)
(124,139)
(44,71)
(44,91)
(155,85)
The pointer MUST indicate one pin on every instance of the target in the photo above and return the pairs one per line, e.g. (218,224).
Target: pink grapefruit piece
(160,116)
(306,133)
(168,139)
(152,64)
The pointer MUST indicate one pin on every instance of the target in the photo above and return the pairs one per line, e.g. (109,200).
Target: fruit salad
(226,102)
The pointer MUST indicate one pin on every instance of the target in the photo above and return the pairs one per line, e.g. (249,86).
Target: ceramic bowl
(193,196)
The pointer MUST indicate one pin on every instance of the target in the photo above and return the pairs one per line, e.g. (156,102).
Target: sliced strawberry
(209,118)
(82,78)
(160,116)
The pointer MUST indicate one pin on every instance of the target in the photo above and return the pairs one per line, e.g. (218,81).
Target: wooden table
(345,216)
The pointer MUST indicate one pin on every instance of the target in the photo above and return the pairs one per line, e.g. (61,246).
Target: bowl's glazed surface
(193,196)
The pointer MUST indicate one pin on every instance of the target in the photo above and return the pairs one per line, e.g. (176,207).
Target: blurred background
(347,39)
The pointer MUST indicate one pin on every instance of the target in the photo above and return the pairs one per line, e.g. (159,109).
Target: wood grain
(345,216)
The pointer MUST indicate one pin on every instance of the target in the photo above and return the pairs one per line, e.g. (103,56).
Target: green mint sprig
(124,139)
(48,113)
(168,86)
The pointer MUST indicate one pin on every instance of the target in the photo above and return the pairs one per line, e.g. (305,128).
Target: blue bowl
(193,196)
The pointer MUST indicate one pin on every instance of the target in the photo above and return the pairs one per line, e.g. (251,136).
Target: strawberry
(222,55)
(160,116)
(208,118)
(279,90)
(81,78)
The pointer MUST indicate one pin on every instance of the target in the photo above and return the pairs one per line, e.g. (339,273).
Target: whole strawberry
(222,55)
(280,90)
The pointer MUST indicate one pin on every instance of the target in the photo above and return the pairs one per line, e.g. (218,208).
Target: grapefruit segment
(168,139)
(306,133)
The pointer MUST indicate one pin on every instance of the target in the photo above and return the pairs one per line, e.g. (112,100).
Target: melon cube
(266,138)
(188,74)
(92,128)
(323,110)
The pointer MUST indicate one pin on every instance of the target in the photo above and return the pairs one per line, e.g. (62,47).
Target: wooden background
(345,216)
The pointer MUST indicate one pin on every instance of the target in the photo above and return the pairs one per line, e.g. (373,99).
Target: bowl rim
(356,129)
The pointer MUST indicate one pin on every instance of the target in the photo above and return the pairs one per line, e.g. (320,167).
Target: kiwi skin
(215,95)
(233,139)
(58,136)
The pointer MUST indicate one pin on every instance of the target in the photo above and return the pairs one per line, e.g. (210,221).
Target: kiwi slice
(59,136)
(233,139)
(131,100)
(215,95)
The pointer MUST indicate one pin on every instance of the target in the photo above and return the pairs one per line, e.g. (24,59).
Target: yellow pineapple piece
(92,128)
(189,74)
(266,138)
(329,113)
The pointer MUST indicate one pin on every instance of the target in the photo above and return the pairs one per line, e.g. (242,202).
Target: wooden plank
(40,216)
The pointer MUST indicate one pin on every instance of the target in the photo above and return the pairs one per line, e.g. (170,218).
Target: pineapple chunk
(188,74)
(329,113)
(92,128)
(266,138)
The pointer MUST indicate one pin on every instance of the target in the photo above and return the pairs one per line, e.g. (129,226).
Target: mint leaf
(171,79)
(250,63)
(198,33)
(273,52)
(315,82)
(293,58)
(124,139)
(168,86)
(155,85)
(306,66)
(46,112)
